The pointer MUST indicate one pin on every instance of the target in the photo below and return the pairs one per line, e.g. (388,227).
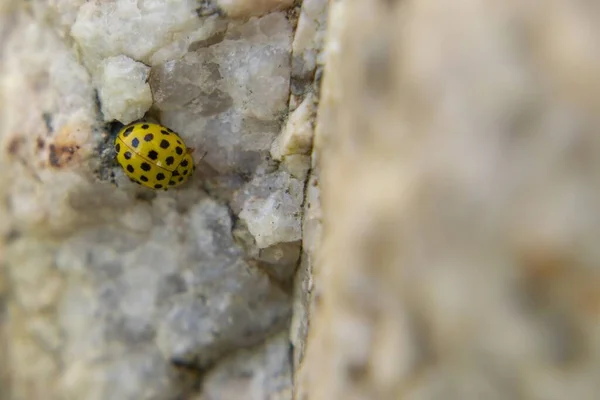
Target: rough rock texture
(308,45)
(123,89)
(250,8)
(307,61)
(262,374)
(459,161)
(119,292)
(228,95)
(138,30)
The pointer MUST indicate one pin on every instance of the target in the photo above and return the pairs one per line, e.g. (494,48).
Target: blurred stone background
(435,239)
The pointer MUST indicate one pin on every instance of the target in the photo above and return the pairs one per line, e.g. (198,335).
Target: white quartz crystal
(123,89)
(297,135)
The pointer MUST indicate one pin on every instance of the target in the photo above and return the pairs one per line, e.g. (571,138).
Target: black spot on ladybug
(180,179)
(185,172)
(178,150)
(171,183)
(158,186)
(144,178)
(153,155)
(130,168)
(169,160)
(160,176)
(117,147)
(164,132)
(135,142)
(175,173)
(146,167)
(127,155)
(128,131)
(184,163)
(145,126)
(148,137)
(164,144)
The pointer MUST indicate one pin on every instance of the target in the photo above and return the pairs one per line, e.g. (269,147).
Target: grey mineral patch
(261,374)
(227,99)
(229,305)
(280,260)
(141,374)
(270,205)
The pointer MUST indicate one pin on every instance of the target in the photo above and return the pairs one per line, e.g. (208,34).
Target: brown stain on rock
(66,147)
(555,275)
(60,156)
(14,145)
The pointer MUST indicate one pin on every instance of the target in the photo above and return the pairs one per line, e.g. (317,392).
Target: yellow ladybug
(153,156)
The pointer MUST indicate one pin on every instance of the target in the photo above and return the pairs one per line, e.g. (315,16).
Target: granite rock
(123,90)
(120,291)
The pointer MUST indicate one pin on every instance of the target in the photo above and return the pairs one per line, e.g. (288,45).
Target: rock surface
(123,90)
(439,243)
(251,8)
(261,374)
(458,168)
(121,292)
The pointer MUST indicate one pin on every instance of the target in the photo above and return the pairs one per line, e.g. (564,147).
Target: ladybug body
(153,156)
